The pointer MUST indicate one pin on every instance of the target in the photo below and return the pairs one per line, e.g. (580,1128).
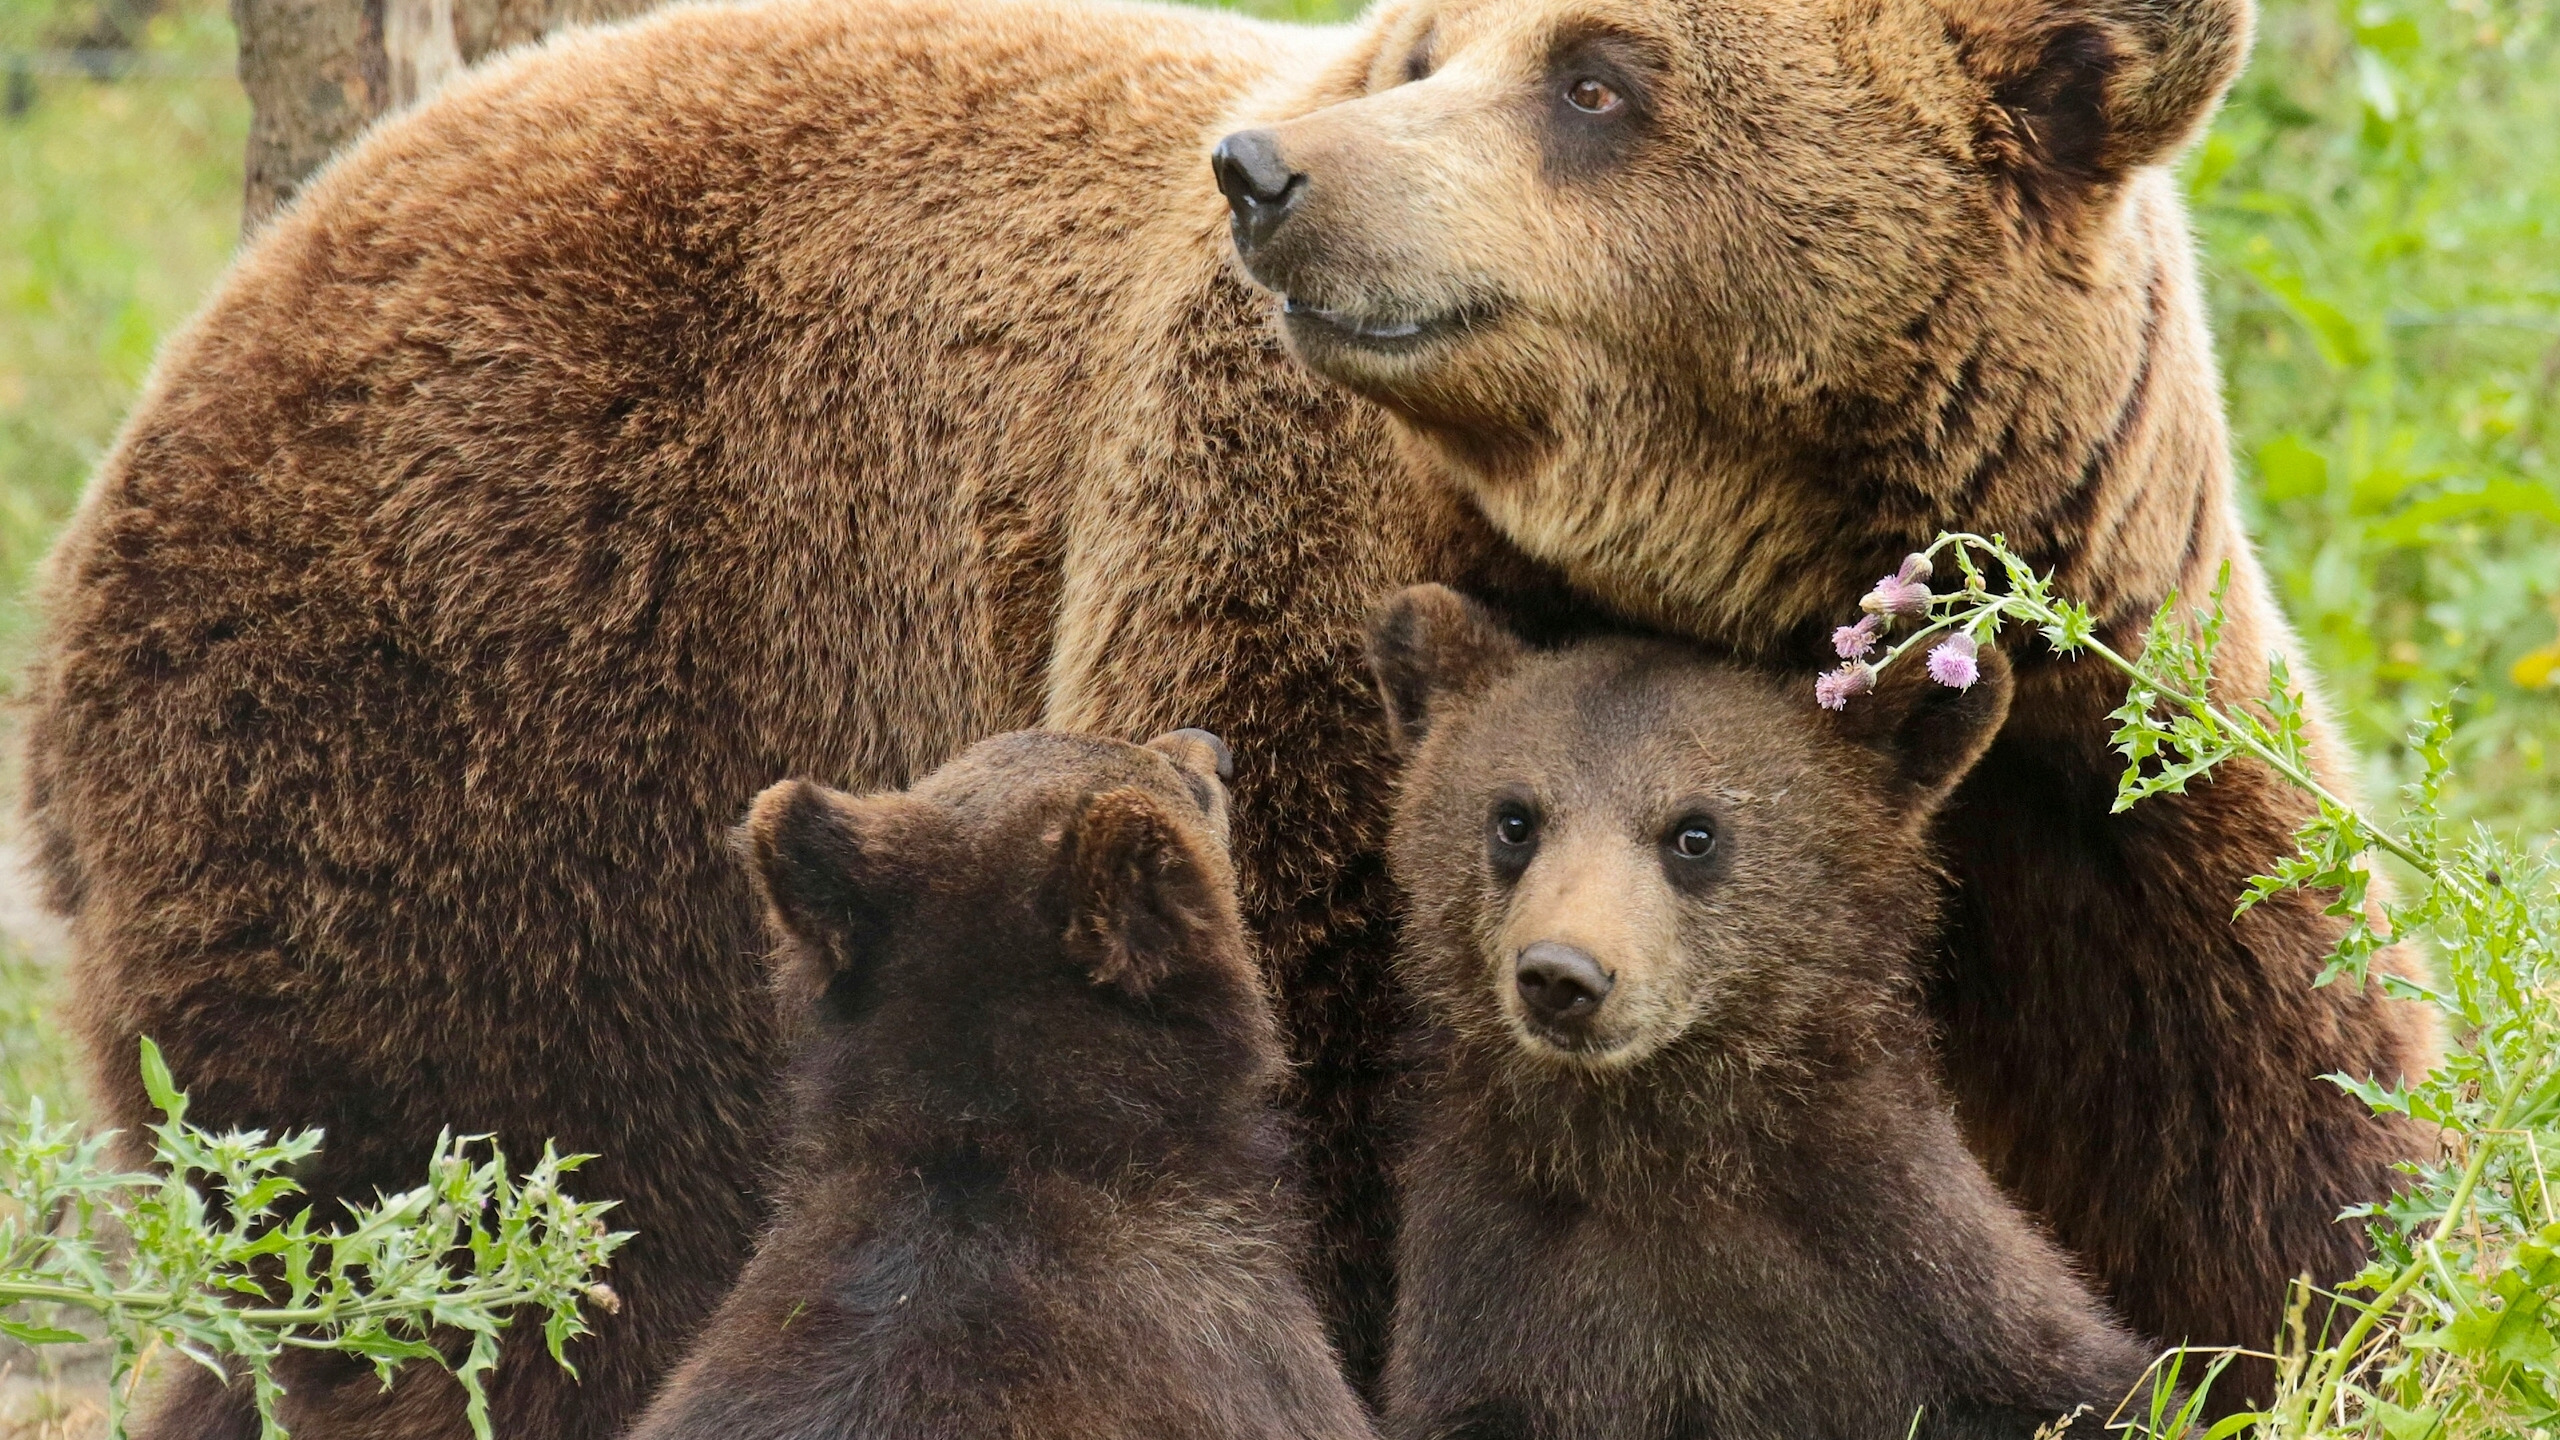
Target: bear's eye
(1511,839)
(1591,97)
(1693,839)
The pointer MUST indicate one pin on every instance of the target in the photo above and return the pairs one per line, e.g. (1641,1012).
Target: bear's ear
(2083,92)
(1931,734)
(1430,646)
(1144,896)
(834,869)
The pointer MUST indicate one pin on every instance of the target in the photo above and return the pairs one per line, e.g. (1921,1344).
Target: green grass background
(2379,207)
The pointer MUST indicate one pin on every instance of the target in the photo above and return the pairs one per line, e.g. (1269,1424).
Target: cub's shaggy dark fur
(1682,1167)
(1033,1168)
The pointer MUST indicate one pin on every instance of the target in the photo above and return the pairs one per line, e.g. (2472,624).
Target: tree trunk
(319,71)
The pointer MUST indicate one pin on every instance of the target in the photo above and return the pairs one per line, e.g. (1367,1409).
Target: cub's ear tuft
(1429,647)
(832,869)
(2083,92)
(1145,896)
(1931,734)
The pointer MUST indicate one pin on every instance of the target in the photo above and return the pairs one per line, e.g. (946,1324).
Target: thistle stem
(149,1303)
(2342,1355)
(2027,607)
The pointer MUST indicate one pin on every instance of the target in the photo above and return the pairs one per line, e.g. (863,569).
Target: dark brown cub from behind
(1033,1178)
(1681,1166)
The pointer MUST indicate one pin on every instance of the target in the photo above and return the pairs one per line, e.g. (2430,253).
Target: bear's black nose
(1260,187)
(1559,984)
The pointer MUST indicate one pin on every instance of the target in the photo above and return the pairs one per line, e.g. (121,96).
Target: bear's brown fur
(1034,1183)
(1681,1166)
(814,388)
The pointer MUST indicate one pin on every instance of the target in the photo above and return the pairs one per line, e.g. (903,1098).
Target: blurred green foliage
(34,1058)
(2380,210)
(1308,11)
(119,204)
(77,24)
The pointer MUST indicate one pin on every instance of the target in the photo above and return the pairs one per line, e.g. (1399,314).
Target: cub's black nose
(1260,187)
(1560,984)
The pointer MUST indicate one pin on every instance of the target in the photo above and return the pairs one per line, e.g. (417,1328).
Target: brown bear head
(1620,849)
(1037,944)
(1650,275)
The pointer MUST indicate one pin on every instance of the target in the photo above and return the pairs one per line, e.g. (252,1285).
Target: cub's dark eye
(1693,840)
(1511,839)
(1417,66)
(1591,97)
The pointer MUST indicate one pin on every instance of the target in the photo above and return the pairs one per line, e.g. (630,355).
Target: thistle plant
(219,1268)
(2453,1330)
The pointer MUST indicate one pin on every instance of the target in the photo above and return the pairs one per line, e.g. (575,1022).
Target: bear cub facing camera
(1680,1163)
(1032,1185)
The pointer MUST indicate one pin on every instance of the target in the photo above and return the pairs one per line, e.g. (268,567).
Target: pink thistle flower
(1833,690)
(1904,592)
(1952,662)
(1856,642)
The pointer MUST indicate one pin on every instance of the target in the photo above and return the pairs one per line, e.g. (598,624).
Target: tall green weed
(210,1255)
(2453,1330)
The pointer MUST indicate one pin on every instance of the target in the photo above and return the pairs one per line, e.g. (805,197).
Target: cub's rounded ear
(1144,896)
(1931,734)
(1430,646)
(2082,92)
(833,869)
(1195,751)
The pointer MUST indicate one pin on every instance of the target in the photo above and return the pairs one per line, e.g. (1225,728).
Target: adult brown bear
(813,388)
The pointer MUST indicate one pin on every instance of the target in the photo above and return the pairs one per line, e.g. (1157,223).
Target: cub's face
(1045,928)
(1622,847)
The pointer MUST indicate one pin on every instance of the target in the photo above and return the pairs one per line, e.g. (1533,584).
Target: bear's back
(1073,1315)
